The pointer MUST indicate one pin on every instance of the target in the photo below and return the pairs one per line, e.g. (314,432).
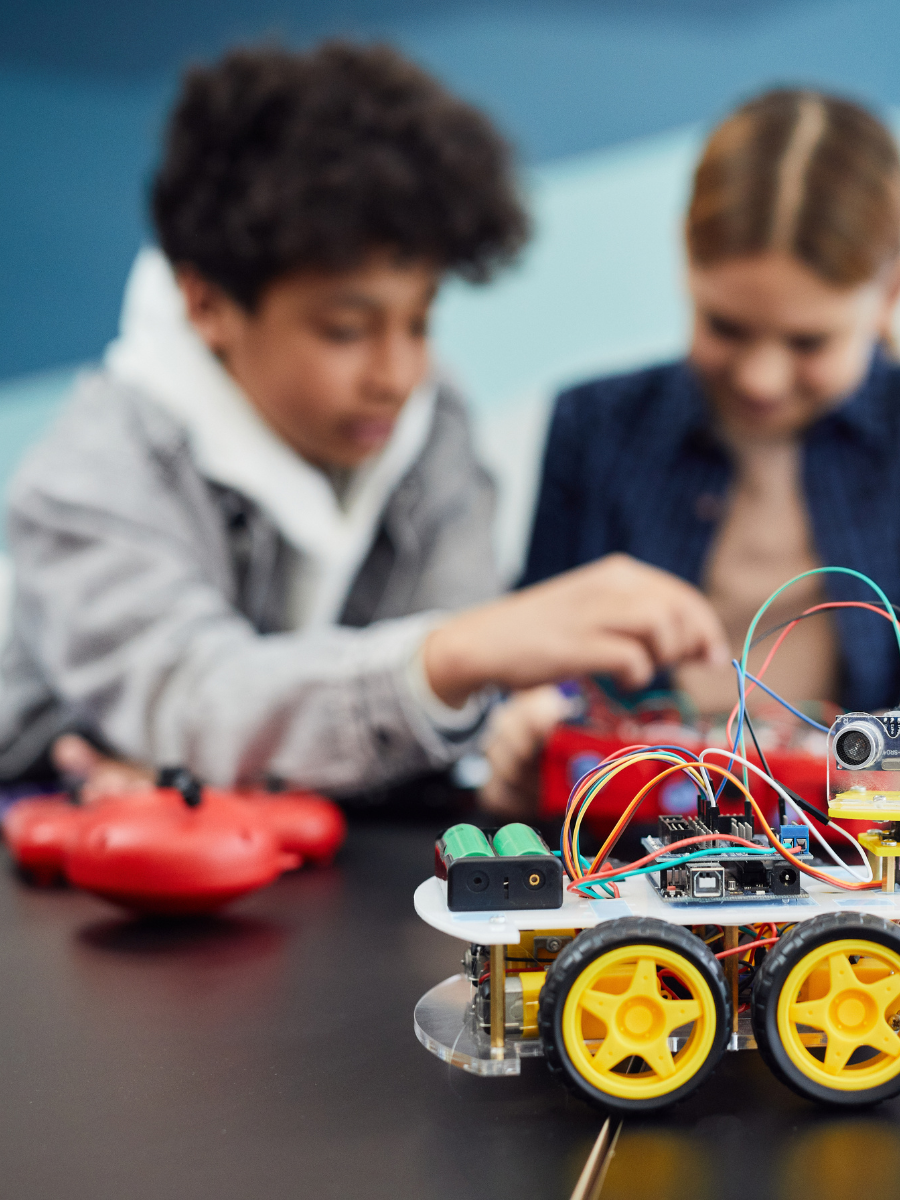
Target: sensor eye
(854,747)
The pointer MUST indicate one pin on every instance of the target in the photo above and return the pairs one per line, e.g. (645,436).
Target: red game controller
(178,849)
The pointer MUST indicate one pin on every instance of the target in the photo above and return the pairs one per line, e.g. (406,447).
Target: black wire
(756,641)
(802,617)
(808,808)
(782,812)
(762,757)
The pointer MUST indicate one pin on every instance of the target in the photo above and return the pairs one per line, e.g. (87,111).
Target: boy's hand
(98,774)
(616,617)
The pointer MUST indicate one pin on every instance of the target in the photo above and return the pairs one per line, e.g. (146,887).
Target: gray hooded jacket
(152,606)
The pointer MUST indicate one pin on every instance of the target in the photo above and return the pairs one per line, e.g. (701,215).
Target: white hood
(159,352)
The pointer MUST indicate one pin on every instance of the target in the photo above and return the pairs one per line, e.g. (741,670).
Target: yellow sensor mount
(882,847)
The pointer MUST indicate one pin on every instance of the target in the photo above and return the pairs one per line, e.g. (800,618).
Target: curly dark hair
(276,161)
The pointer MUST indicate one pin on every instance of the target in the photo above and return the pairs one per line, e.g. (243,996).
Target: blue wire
(611,762)
(789,707)
(585,862)
(743,676)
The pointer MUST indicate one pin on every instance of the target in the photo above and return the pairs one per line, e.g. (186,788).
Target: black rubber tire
(773,973)
(587,947)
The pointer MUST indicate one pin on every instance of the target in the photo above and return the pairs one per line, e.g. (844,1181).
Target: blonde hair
(803,172)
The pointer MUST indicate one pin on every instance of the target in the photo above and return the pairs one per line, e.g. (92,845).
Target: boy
(238,547)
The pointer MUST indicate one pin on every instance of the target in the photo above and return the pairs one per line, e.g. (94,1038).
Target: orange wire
(585,785)
(580,791)
(815,608)
(822,876)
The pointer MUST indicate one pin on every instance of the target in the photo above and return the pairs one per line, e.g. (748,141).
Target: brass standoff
(730,966)
(498,1001)
(889,873)
(870,838)
(890,843)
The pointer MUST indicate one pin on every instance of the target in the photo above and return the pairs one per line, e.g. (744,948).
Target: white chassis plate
(639,899)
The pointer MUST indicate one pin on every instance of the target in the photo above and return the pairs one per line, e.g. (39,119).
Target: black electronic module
(732,877)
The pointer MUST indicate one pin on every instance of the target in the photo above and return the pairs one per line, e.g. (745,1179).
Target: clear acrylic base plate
(445,1024)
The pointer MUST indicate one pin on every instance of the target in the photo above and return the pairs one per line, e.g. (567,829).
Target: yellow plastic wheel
(635,1018)
(848,990)
(827,1004)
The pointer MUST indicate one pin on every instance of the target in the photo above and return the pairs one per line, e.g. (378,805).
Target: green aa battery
(513,840)
(466,841)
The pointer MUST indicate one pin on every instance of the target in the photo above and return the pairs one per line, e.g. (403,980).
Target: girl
(773,447)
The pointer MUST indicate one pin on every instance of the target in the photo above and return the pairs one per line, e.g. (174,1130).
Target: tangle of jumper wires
(596,879)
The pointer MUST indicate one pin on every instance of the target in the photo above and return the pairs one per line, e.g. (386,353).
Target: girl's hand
(516,735)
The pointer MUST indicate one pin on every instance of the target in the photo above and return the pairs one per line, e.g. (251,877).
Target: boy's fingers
(673,618)
(72,755)
(660,629)
(100,775)
(615,617)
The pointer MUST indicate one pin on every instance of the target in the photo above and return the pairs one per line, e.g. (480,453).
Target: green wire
(748,640)
(585,865)
(805,575)
(678,862)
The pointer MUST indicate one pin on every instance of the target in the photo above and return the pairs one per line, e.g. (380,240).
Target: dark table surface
(270,1053)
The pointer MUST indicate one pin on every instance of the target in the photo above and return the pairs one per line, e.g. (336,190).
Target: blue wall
(83,86)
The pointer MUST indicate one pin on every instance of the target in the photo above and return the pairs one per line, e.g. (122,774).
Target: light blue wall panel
(83,87)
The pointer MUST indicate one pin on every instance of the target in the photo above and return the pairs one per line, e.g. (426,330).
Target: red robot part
(173,851)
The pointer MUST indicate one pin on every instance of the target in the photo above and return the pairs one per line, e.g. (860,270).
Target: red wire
(581,789)
(648,858)
(815,608)
(665,971)
(508,971)
(747,946)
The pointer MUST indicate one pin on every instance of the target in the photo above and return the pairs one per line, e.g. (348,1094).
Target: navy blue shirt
(632,465)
